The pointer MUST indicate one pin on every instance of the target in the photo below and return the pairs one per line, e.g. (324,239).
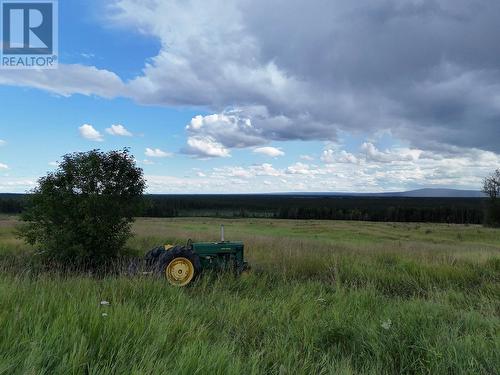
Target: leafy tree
(82,212)
(491,187)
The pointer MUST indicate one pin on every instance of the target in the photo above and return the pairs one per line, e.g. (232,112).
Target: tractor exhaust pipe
(222,233)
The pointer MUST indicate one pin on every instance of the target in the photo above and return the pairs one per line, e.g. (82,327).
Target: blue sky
(211,99)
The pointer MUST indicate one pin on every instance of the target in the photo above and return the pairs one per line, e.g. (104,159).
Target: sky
(255,96)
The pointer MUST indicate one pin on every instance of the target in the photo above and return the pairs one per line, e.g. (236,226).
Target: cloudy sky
(265,96)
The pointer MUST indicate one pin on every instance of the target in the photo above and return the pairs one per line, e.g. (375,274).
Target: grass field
(323,298)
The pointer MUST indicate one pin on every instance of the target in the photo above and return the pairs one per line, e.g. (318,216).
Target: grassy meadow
(324,297)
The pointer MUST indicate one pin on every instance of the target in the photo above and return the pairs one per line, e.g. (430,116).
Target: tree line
(436,210)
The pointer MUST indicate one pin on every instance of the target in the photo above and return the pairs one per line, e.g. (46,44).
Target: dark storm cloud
(427,70)
(375,42)
(417,67)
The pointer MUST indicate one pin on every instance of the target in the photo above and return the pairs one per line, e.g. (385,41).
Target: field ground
(324,297)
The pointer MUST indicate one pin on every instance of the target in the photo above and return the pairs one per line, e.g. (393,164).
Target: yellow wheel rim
(179,271)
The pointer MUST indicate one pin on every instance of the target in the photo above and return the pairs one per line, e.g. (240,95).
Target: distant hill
(420,193)
(440,193)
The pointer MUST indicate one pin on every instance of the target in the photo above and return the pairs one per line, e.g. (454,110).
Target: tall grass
(384,300)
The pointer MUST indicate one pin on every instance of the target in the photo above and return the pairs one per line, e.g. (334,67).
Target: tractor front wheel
(180,266)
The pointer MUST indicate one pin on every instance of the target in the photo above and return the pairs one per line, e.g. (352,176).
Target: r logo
(28,28)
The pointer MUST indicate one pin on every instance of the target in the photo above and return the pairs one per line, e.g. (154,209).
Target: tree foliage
(82,212)
(491,187)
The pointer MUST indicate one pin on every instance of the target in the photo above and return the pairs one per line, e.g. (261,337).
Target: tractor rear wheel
(180,266)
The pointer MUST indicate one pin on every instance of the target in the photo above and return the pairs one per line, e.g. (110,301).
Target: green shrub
(81,213)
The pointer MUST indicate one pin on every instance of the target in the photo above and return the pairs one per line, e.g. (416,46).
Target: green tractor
(180,265)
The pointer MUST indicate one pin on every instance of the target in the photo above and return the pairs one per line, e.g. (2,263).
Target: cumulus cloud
(401,168)
(327,156)
(239,172)
(118,130)
(253,126)
(362,68)
(3,166)
(462,168)
(156,153)
(347,157)
(205,147)
(304,169)
(229,129)
(89,132)
(331,156)
(252,171)
(465,171)
(397,154)
(265,170)
(269,151)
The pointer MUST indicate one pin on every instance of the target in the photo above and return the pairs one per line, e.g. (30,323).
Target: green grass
(324,298)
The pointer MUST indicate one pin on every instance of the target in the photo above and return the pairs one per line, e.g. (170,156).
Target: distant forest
(321,207)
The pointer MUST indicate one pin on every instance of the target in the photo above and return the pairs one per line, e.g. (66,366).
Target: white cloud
(147,162)
(388,156)
(2,142)
(230,129)
(239,172)
(304,169)
(205,147)
(68,80)
(252,171)
(10,184)
(269,151)
(54,164)
(331,156)
(118,130)
(463,169)
(265,170)
(156,153)
(173,184)
(327,156)
(347,157)
(88,132)
(3,166)
(306,157)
